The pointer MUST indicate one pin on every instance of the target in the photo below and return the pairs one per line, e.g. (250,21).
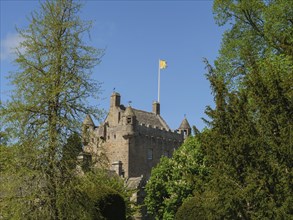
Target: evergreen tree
(70,152)
(249,146)
(47,105)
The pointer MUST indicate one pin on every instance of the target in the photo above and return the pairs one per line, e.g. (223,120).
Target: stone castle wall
(133,141)
(126,138)
(147,146)
(133,151)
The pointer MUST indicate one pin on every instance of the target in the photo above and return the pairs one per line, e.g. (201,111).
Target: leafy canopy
(249,145)
(172,180)
(51,86)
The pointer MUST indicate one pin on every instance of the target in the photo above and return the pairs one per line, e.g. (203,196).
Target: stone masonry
(133,140)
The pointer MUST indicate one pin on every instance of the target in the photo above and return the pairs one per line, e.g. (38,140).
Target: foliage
(103,194)
(85,196)
(258,30)
(191,209)
(249,145)
(70,152)
(96,180)
(49,100)
(109,202)
(173,180)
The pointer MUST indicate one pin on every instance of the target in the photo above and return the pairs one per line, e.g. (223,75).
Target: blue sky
(136,34)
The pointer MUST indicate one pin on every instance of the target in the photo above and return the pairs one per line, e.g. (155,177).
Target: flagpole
(159,76)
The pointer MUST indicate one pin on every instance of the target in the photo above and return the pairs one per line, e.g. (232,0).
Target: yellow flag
(163,64)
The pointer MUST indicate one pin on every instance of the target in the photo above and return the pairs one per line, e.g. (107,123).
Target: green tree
(248,149)
(70,152)
(249,146)
(258,29)
(173,180)
(47,105)
(99,185)
(192,208)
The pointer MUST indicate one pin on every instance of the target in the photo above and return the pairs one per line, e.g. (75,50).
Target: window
(128,120)
(150,154)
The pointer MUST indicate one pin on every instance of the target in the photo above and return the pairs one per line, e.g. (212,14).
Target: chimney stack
(115,100)
(156,108)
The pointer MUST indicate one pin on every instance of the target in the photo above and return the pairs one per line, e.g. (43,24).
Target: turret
(185,128)
(87,128)
(129,116)
(129,122)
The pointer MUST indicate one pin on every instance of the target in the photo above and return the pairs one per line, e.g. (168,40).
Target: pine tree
(249,147)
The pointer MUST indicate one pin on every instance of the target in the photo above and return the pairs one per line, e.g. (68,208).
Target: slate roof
(150,118)
(134,182)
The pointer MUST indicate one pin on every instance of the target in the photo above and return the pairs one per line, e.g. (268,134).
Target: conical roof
(88,121)
(129,111)
(184,125)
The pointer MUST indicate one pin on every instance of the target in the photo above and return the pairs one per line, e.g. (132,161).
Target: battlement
(158,131)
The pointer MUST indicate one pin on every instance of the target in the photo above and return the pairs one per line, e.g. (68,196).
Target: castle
(132,140)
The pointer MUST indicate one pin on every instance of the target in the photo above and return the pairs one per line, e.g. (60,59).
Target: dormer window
(129,120)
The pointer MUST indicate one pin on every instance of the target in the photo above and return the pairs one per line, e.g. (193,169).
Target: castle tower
(88,127)
(129,116)
(185,128)
(133,140)
(129,122)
